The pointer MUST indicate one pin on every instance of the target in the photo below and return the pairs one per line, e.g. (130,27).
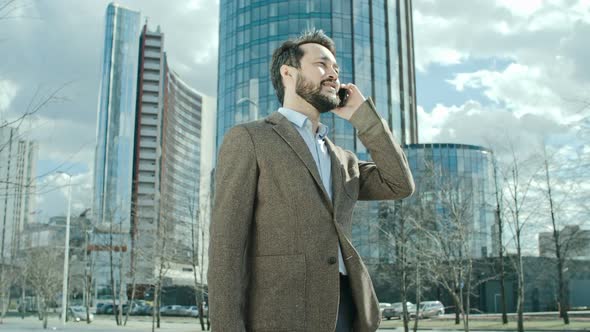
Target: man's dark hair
(289,53)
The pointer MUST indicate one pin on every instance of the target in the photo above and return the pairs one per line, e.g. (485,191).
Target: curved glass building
(464,172)
(374,50)
(166,174)
(181,151)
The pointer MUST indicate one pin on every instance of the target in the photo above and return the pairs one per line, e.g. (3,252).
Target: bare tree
(569,241)
(198,231)
(163,255)
(44,275)
(10,274)
(500,224)
(519,180)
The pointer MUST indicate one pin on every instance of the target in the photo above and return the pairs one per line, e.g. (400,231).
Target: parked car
(173,310)
(77,313)
(144,310)
(396,310)
(106,309)
(100,308)
(431,309)
(193,311)
(383,305)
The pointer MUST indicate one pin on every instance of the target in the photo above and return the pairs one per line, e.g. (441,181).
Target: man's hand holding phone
(351,99)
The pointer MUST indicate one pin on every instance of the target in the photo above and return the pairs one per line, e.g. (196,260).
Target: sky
(489,72)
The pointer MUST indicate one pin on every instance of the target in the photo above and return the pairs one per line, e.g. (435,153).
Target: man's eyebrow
(325,58)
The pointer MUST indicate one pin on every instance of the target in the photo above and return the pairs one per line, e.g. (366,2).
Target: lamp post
(64,296)
(248,100)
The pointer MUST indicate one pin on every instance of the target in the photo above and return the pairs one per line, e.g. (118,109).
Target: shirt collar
(301,121)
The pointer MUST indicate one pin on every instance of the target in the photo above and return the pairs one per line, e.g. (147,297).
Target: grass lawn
(581,324)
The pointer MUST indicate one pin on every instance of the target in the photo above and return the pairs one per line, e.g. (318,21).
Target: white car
(193,311)
(77,314)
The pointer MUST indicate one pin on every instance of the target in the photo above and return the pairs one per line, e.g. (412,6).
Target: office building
(574,243)
(166,173)
(114,141)
(374,49)
(374,42)
(455,186)
(116,117)
(18,159)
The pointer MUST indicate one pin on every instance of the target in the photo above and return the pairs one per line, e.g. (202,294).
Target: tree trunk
(130,302)
(156,307)
(520,309)
(500,245)
(22,300)
(44,314)
(457,310)
(467,303)
(159,306)
(563,303)
(418,295)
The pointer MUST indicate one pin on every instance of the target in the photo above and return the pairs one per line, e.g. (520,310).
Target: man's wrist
(365,117)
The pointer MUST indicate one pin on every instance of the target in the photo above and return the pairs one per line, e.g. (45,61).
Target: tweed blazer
(275,232)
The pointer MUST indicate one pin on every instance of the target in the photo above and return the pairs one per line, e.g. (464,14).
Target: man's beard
(313,94)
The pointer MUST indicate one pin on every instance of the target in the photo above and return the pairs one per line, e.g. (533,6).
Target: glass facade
(116,117)
(113,165)
(365,33)
(372,38)
(464,173)
(180,163)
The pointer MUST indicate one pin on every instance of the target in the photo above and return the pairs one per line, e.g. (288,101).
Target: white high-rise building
(18,158)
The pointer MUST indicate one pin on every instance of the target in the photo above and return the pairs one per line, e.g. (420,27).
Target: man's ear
(286,71)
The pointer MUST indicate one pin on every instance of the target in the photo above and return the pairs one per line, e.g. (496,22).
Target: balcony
(149,121)
(152,42)
(152,54)
(151,77)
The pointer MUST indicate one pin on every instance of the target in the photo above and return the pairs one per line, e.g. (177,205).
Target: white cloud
(53,194)
(522,89)
(521,8)
(489,126)
(8,91)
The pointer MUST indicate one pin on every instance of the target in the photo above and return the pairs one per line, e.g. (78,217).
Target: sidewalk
(100,324)
(104,323)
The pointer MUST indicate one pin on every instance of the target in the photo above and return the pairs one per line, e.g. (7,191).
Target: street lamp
(64,296)
(248,100)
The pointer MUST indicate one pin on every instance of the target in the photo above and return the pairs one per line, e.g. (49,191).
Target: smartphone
(343,95)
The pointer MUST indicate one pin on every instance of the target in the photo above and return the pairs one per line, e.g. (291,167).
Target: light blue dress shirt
(319,151)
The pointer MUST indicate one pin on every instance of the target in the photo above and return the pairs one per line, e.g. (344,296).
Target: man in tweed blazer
(280,256)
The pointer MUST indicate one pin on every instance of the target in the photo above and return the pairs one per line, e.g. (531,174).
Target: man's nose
(332,74)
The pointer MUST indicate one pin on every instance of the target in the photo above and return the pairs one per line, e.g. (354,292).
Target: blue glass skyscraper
(116,117)
(374,50)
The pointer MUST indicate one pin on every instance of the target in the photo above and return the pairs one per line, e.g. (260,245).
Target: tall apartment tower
(18,159)
(166,168)
(147,150)
(374,48)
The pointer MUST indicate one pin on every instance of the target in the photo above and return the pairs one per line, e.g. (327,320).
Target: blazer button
(332,260)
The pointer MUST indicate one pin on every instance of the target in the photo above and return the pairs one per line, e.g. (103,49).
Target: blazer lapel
(285,129)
